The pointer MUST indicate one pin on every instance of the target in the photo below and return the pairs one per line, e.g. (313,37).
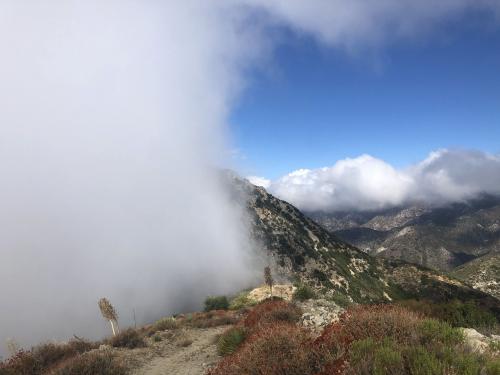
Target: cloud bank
(368,183)
(112,119)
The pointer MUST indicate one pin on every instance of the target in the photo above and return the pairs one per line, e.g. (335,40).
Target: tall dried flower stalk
(109,313)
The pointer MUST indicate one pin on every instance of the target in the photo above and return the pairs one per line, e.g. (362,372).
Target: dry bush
(376,322)
(164,324)
(270,312)
(43,357)
(129,338)
(21,363)
(213,318)
(277,349)
(95,363)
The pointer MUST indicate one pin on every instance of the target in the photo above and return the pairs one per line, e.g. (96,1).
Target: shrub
(377,322)
(241,301)
(21,363)
(216,303)
(303,293)
(341,300)
(456,313)
(433,331)
(129,338)
(493,367)
(422,362)
(157,338)
(212,319)
(164,324)
(43,357)
(272,311)
(230,340)
(280,349)
(92,364)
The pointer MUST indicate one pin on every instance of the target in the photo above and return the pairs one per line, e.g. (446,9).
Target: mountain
(482,273)
(441,238)
(303,251)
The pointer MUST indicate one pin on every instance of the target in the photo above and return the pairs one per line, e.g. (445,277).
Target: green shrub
(368,357)
(303,293)
(92,364)
(433,331)
(157,338)
(457,313)
(422,362)
(493,367)
(341,300)
(241,301)
(216,303)
(129,338)
(230,340)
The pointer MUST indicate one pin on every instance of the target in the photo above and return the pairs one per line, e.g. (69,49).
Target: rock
(318,313)
(104,347)
(475,341)
(284,291)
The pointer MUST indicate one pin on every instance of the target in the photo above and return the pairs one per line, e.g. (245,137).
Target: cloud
(113,116)
(259,181)
(367,183)
(361,23)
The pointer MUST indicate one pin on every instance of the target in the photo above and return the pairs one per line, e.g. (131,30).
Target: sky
(314,104)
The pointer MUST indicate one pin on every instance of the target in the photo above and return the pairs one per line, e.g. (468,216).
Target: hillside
(304,251)
(441,238)
(482,273)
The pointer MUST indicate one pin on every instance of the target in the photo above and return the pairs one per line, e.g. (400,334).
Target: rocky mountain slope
(436,237)
(482,273)
(304,251)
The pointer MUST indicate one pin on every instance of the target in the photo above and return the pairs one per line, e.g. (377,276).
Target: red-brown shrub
(270,312)
(375,321)
(276,349)
(212,318)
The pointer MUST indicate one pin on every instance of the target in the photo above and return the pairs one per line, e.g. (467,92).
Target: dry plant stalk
(268,277)
(109,313)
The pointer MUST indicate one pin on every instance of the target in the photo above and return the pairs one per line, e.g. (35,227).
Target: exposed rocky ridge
(306,252)
(437,237)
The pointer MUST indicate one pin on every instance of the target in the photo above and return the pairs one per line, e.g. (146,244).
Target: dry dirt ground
(180,352)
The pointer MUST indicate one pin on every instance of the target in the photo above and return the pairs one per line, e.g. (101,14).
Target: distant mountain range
(303,251)
(464,235)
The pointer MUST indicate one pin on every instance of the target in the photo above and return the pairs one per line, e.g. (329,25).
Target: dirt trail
(180,357)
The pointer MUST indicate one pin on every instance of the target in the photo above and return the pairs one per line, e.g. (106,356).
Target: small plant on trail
(109,313)
(268,278)
(230,340)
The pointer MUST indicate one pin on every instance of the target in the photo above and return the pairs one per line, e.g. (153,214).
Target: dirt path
(192,352)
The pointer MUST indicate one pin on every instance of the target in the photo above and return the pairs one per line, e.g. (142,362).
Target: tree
(268,277)
(109,313)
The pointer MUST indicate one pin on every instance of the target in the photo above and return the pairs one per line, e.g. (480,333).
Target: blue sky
(313,104)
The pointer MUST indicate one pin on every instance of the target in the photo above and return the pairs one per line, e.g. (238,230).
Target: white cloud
(356,23)
(259,181)
(367,183)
